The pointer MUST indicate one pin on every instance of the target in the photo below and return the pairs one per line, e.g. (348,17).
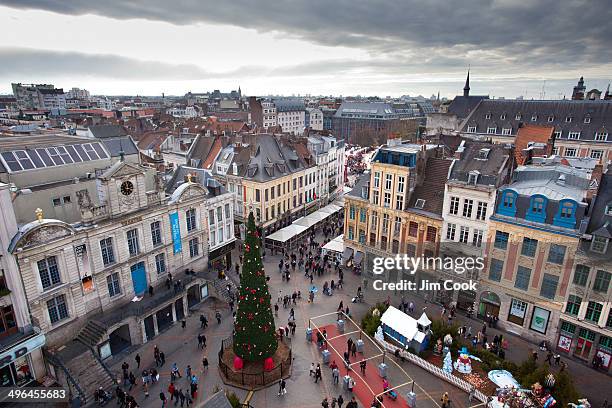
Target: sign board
(565,343)
(175,226)
(539,320)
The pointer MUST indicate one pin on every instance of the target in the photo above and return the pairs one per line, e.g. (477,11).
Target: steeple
(579,90)
(466,88)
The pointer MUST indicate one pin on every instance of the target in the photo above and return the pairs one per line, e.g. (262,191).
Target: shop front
(16,362)
(603,355)
(221,258)
(489,304)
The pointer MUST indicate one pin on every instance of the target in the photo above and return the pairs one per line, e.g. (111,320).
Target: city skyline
(314,48)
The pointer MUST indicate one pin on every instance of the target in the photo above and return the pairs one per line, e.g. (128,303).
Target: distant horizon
(476,89)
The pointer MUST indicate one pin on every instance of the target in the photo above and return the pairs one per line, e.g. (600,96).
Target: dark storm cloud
(536,30)
(35,63)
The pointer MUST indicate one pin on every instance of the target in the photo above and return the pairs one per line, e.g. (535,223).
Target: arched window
(566,215)
(507,203)
(537,208)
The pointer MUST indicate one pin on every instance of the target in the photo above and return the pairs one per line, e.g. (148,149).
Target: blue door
(139,278)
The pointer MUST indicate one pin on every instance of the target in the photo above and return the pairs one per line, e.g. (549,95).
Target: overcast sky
(319,47)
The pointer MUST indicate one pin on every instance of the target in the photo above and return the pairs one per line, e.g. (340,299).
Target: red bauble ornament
(250,316)
(268,364)
(238,363)
(253,291)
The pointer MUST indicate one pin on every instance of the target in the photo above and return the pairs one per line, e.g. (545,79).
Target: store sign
(565,343)
(175,226)
(539,320)
(22,349)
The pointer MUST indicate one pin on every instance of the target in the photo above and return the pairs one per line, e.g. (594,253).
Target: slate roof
(432,188)
(117,144)
(461,106)
(366,110)
(289,105)
(264,158)
(200,149)
(488,169)
(362,181)
(103,131)
(201,176)
(598,114)
(600,222)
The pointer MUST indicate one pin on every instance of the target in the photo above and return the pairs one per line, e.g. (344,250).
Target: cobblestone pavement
(180,346)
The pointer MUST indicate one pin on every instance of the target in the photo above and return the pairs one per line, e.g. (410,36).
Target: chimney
(595,180)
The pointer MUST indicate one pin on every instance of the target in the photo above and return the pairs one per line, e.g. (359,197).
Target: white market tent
(400,322)
(335,245)
(404,329)
(285,234)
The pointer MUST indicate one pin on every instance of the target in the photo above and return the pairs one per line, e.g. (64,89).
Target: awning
(347,254)
(358,257)
(335,245)
(285,234)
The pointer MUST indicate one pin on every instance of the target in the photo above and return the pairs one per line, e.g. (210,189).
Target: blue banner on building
(176,232)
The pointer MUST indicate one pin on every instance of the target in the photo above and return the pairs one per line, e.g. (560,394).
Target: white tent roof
(400,322)
(285,234)
(424,320)
(336,244)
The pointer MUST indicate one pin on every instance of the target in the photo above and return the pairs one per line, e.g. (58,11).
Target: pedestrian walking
(336,375)
(218,317)
(162,358)
(445,400)
(362,365)
(312,369)
(340,401)
(324,403)
(137,358)
(183,323)
(171,389)
(282,387)
(354,350)
(351,385)
(205,363)
(163,399)
(132,380)
(203,322)
(318,373)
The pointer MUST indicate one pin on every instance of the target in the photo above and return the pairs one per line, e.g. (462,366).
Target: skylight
(21,160)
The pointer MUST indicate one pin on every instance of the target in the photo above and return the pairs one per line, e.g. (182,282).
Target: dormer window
(507,204)
(503,116)
(551,118)
(599,244)
(587,119)
(488,116)
(518,116)
(573,135)
(471,129)
(601,136)
(534,118)
(483,154)
(506,131)
(609,209)
(568,119)
(420,203)
(566,215)
(491,130)
(537,209)
(473,177)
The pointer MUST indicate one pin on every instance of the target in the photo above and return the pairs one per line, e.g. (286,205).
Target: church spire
(466,88)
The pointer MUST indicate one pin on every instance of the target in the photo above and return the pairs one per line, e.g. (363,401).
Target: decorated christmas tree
(254,330)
